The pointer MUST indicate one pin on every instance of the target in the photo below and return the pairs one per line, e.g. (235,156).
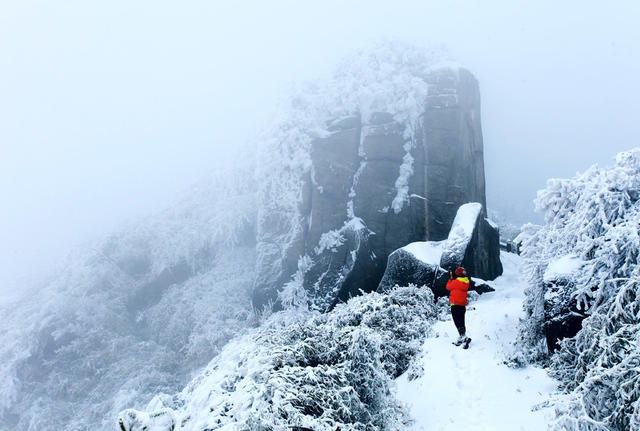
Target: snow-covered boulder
(404,269)
(418,264)
(562,318)
(473,243)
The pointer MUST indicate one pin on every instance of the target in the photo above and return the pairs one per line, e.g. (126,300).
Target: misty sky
(108,109)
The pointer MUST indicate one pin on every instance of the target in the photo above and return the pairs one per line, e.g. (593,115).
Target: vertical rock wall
(452,135)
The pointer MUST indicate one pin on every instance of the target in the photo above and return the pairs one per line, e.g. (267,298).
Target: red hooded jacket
(458,290)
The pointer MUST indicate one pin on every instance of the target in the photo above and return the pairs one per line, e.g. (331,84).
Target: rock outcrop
(429,263)
(404,269)
(472,243)
(377,183)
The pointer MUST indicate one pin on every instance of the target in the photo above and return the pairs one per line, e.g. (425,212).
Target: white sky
(108,109)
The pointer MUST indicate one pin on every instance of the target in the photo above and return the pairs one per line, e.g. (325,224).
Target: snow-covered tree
(591,243)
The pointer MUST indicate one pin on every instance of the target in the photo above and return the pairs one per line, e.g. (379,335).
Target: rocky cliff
(377,182)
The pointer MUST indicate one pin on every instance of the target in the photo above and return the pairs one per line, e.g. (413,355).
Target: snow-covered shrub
(593,219)
(319,371)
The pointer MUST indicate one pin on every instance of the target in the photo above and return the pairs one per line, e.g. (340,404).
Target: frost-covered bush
(319,371)
(593,218)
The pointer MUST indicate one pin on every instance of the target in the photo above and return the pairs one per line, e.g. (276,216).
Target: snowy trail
(472,389)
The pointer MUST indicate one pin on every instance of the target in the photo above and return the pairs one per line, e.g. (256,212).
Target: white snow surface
(563,266)
(463,226)
(473,389)
(426,251)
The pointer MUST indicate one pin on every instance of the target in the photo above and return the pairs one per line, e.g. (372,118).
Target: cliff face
(454,153)
(377,184)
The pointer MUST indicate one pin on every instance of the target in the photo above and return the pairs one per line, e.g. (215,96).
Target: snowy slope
(473,389)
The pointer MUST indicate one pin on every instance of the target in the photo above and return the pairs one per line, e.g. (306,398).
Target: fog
(108,111)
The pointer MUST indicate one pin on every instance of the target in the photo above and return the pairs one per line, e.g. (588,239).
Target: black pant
(457,312)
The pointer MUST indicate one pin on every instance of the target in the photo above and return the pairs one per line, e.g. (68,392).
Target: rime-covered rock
(473,243)
(402,173)
(418,264)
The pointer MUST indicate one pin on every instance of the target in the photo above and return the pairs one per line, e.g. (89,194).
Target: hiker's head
(460,272)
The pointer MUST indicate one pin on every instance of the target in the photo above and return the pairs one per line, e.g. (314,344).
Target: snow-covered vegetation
(591,241)
(132,315)
(305,369)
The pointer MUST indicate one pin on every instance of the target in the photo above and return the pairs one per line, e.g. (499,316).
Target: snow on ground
(473,389)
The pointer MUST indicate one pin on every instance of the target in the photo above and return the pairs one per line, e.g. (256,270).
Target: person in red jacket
(458,285)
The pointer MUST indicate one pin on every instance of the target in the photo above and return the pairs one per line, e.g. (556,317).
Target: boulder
(417,264)
(473,243)
(404,269)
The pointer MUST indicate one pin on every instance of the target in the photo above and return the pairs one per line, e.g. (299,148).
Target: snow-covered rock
(418,264)
(462,229)
(429,252)
(389,140)
(562,268)
(428,263)
(404,268)
(473,243)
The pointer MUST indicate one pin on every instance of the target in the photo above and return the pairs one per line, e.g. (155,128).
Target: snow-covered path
(472,389)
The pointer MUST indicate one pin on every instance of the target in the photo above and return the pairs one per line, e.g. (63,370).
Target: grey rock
(403,269)
(454,154)
(478,251)
(353,178)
